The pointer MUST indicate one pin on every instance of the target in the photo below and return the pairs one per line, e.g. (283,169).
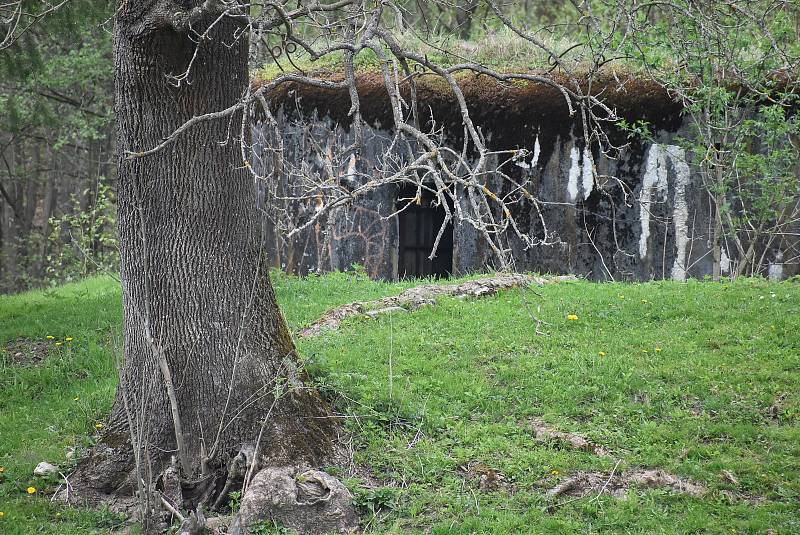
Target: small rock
(45,469)
(307,502)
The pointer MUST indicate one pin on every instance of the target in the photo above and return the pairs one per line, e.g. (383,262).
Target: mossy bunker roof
(513,110)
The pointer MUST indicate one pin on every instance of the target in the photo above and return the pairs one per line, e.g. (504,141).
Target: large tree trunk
(207,357)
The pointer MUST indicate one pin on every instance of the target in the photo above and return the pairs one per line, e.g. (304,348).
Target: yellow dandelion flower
(98,426)
(658,350)
(644,300)
(572,317)
(2,469)
(77,398)
(31,490)
(49,337)
(2,514)
(555,472)
(69,339)
(602,353)
(58,343)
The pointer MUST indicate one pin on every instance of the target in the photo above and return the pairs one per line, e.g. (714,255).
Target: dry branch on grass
(617,484)
(544,432)
(426,294)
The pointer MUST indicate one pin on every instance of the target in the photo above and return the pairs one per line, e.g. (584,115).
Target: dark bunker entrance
(418,226)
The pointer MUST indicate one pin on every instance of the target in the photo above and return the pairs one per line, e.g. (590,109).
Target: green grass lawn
(698,379)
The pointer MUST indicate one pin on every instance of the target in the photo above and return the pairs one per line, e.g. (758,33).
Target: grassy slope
(464,377)
(47,408)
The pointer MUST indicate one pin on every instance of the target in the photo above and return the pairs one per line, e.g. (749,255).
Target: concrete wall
(640,216)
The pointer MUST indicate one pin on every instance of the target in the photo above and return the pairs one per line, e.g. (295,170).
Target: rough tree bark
(204,339)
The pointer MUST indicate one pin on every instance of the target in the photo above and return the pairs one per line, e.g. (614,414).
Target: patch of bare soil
(426,294)
(486,478)
(27,351)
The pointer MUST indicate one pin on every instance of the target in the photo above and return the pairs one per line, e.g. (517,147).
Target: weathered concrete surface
(359,233)
(639,216)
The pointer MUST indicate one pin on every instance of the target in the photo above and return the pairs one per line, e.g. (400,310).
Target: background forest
(57,150)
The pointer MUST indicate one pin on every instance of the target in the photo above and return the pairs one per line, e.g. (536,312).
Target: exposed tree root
(298,429)
(305,501)
(426,294)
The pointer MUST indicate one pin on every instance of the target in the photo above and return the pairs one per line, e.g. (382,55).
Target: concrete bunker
(640,214)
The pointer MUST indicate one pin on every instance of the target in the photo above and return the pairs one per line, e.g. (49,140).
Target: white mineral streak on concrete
(537,149)
(655,178)
(588,173)
(349,177)
(680,210)
(574,173)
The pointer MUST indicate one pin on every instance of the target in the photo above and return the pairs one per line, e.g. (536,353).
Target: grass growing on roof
(501,50)
(694,378)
